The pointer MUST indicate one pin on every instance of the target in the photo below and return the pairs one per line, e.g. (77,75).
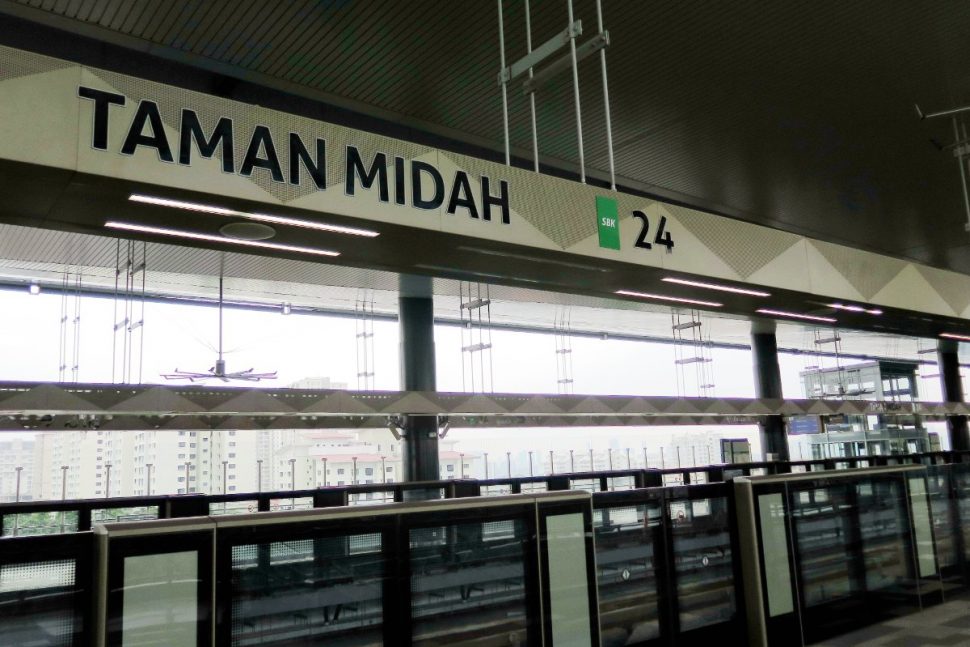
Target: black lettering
(102,102)
(355,168)
(190,129)
(501,200)
(300,155)
(461,195)
(417,199)
(147,113)
(399,197)
(262,140)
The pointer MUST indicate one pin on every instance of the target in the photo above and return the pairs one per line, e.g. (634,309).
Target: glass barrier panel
(133,513)
(371,498)
(884,533)
(37,603)
(586,485)
(39,523)
(160,599)
(326,591)
(496,490)
(568,586)
(298,503)
(703,566)
(673,479)
(943,513)
(699,477)
(922,527)
(233,507)
(626,572)
(538,486)
(621,483)
(961,476)
(822,519)
(468,584)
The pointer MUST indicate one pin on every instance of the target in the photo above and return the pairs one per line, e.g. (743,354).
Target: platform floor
(946,624)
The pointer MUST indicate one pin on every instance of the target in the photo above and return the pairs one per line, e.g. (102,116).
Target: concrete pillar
(949,360)
(416,312)
(767,384)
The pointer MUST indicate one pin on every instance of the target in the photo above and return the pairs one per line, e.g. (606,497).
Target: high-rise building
(16,469)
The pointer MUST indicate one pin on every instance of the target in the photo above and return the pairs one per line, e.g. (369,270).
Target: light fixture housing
(286,308)
(194,235)
(855,308)
(795,315)
(34,287)
(950,335)
(716,286)
(258,217)
(664,297)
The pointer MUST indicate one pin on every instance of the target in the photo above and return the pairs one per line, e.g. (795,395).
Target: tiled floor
(946,624)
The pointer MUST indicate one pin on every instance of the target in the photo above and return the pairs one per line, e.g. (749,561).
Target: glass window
(626,569)
(38,608)
(702,561)
(485,581)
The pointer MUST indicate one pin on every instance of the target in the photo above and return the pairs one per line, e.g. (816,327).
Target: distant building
(16,453)
(863,435)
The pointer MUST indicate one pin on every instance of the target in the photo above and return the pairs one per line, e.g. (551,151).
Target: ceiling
(797,115)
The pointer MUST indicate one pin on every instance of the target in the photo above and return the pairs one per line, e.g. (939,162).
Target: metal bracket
(541,53)
(396,425)
(445,426)
(590,47)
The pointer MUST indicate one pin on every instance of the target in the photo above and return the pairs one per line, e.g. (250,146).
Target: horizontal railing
(79,515)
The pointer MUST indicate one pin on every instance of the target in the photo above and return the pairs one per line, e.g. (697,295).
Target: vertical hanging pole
(222,269)
(505,94)
(579,116)
(963,174)
(532,95)
(606,97)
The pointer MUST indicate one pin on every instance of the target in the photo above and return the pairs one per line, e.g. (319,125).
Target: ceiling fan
(218,372)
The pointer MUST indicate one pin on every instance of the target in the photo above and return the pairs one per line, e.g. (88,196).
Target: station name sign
(429,189)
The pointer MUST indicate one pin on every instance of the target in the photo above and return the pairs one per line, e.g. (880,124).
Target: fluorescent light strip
(715,286)
(258,217)
(794,315)
(852,308)
(661,297)
(178,233)
(950,335)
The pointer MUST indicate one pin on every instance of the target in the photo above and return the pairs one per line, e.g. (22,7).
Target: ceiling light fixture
(950,335)
(192,235)
(794,315)
(852,308)
(286,308)
(661,297)
(258,217)
(34,287)
(715,286)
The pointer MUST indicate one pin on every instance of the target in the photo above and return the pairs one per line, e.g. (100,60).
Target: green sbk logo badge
(608,222)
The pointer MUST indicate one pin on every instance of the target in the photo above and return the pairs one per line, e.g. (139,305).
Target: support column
(767,384)
(416,314)
(952,384)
